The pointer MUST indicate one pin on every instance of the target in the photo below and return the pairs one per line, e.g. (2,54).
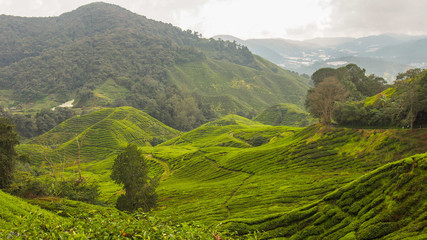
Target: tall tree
(8,140)
(130,169)
(321,99)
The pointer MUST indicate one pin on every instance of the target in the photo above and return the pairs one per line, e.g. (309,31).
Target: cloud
(253,19)
(366,17)
(259,19)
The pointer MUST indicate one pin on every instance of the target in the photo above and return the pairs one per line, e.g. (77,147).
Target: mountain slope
(103,55)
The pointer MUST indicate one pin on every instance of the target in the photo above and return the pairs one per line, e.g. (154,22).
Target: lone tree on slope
(130,169)
(321,99)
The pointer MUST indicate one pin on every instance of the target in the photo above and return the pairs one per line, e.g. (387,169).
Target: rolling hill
(103,55)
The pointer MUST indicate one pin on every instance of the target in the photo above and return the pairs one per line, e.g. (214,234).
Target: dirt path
(233,193)
(164,165)
(224,205)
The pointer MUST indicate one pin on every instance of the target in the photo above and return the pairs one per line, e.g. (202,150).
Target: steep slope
(387,203)
(285,114)
(103,55)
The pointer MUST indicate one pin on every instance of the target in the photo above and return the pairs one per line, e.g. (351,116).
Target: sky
(245,19)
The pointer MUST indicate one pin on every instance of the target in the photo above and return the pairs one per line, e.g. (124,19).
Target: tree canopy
(404,104)
(321,99)
(354,79)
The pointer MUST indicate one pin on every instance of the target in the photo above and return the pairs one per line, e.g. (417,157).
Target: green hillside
(286,114)
(103,55)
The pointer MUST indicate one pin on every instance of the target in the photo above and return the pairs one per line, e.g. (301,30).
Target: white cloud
(252,19)
(366,17)
(295,19)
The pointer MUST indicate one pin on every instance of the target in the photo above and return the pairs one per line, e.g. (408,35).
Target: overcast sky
(291,19)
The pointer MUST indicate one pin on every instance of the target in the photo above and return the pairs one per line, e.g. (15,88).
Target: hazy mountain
(413,53)
(384,55)
(328,42)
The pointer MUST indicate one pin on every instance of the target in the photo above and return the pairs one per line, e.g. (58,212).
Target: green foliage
(27,185)
(8,140)
(32,125)
(80,191)
(217,174)
(131,170)
(354,79)
(402,105)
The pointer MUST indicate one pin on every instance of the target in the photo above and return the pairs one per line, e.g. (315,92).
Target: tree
(130,169)
(410,97)
(8,140)
(321,99)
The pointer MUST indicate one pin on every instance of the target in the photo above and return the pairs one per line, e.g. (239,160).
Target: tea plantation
(238,177)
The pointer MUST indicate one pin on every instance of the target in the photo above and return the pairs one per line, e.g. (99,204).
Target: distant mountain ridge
(384,55)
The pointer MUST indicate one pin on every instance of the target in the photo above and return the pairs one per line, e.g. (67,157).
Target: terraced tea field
(246,176)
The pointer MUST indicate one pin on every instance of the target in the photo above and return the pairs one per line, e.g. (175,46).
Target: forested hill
(103,55)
